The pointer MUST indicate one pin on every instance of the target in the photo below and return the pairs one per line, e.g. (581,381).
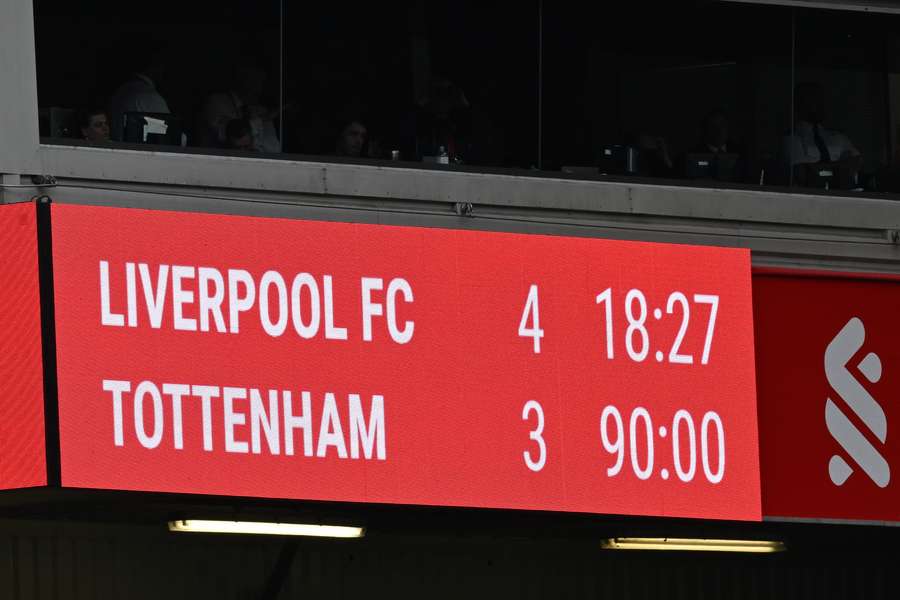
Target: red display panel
(350,362)
(829,384)
(22,453)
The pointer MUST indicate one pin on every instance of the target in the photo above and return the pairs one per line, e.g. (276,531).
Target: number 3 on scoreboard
(531,310)
(536,435)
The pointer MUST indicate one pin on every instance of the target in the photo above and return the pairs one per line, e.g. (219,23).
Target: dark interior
(547,86)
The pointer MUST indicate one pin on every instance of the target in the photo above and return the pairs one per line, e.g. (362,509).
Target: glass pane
(420,81)
(843,132)
(424,82)
(198,73)
(688,91)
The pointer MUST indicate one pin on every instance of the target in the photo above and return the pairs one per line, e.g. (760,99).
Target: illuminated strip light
(263,528)
(694,545)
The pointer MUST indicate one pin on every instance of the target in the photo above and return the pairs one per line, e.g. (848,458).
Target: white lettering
(370,309)
(304,330)
(204,291)
(331,332)
(117,388)
(131,286)
(233,419)
(107,317)
(259,412)
(236,303)
(268,422)
(269,279)
(359,431)
(330,431)
(177,391)
(146,388)
(155,303)
(180,297)
(211,304)
(303,422)
(206,393)
(399,285)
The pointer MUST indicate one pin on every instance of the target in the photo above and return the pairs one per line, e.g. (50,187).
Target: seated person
(655,157)
(715,138)
(812,142)
(239,135)
(93,125)
(441,121)
(242,101)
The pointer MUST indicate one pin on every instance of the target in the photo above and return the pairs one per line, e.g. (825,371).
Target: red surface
(453,395)
(22,454)
(796,319)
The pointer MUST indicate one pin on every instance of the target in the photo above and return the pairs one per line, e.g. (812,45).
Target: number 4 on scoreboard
(531,310)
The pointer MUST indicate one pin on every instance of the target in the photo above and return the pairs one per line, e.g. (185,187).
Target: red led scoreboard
(330,361)
(22,450)
(242,356)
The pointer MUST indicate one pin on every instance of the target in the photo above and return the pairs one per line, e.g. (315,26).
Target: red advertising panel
(331,361)
(829,393)
(22,454)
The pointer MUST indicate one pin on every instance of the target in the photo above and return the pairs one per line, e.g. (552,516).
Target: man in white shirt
(138,94)
(812,142)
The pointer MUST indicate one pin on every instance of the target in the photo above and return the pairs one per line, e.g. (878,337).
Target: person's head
(810,101)
(715,128)
(352,139)
(238,135)
(94,125)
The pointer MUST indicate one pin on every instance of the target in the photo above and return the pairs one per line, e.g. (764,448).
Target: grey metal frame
(18,89)
(874,6)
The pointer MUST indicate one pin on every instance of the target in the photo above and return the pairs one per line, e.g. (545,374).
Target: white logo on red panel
(857,447)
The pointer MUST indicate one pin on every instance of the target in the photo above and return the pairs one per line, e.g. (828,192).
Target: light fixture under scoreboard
(694,545)
(265,528)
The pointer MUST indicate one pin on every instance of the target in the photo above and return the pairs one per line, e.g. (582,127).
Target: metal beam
(18,89)
(773,244)
(248,177)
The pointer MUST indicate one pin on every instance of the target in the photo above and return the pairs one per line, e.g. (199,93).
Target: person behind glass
(139,94)
(443,123)
(242,101)
(93,126)
(351,140)
(656,158)
(239,135)
(715,138)
(812,141)
(716,135)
